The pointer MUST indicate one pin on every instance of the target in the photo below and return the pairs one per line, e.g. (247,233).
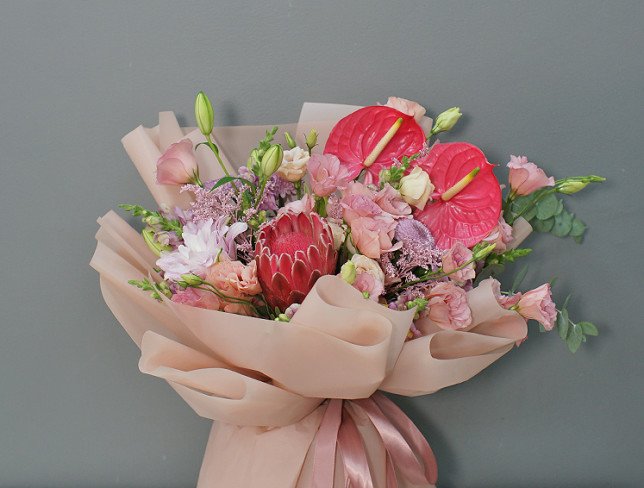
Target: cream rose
(416,188)
(293,167)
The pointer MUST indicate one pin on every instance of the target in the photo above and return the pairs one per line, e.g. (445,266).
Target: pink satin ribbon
(407,450)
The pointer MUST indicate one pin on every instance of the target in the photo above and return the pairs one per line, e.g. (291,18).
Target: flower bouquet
(289,282)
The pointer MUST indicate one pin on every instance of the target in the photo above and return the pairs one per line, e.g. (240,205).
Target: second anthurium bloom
(178,165)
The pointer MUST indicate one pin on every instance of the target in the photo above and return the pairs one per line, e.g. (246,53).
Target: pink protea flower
(177,165)
(537,305)
(292,252)
(327,174)
(456,257)
(526,177)
(448,306)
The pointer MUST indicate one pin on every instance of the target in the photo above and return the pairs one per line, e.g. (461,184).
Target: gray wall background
(558,81)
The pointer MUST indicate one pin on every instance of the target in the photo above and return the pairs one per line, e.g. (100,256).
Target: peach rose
(537,305)
(177,165)
(456,257)
(526,177)
(448,308)
(407,107)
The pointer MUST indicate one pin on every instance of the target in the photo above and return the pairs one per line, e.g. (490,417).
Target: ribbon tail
(354,457)
(325,446)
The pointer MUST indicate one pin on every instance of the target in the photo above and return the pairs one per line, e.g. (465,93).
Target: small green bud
(569,186)
(289,140)
(312,139)
(446,120)
(384,176)
(348,272)
(282,318)
(155,246)
(191,279)
(366,294)
(164,288)
(204,114)
(420,303)
(271,160)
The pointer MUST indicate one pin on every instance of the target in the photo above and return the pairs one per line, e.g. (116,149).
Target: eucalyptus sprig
(154,219)
(573,333)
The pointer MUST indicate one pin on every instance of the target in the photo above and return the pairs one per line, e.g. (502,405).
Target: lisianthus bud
(204,114)
(155,246)
(191,279)
(348,272)
(293,167)
(416,188)
(271,160)
(446,120)
(289,140)
(568,186)
(312,139)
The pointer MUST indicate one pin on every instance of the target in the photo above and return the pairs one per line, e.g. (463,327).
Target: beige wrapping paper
(264,382)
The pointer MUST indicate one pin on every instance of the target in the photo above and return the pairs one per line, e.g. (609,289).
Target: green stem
(534,202)
(261,193)
(215,151)
(223,296)
(439,273)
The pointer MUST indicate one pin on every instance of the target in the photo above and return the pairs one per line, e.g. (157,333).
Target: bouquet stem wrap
(295,404)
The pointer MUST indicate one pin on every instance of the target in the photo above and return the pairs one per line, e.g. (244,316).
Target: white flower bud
(416,188)
(293,167)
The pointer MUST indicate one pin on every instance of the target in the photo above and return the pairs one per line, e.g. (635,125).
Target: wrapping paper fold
(266,383)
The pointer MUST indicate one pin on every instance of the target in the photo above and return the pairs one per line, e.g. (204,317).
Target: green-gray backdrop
(558,81)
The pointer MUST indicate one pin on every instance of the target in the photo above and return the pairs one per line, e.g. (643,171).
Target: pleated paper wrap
(276,390)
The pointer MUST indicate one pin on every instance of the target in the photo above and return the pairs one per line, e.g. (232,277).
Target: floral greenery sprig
(154,219)
(155,289)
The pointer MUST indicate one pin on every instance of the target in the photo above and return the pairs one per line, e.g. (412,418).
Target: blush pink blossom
(327,174)
(456,257)
(366,283)
(391,201)
(526,177)
(234,278)
(177,165)
(408,107)
(506,301)
(501,235)
(537,305)
(304,205)
(197,298)
(448,308)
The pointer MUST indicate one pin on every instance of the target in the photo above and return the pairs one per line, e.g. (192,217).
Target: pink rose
(456,257)
(365,282)
(177,165)
(537,305)
(506,301)
(305,205)
(448,307)
(372,236)
(501,235)
(327,174)
(526,177)
(235,279)
(391,201)
(407,107)
(197,298)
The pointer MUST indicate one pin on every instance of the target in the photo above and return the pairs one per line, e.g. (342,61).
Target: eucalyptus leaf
(547,207)
(588,328)
(575,338)
(563,224)
(578,228)
(579,239)
(560,207)
(530,214)
(543,225)
(563,326)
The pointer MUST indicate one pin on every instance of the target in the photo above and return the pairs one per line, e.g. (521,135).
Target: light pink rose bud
(177,165)
(327,174)
(501,235)
(456,257)
(407,107)
(506,301)
(526,177)
(448,307)
(537,305)
(390,200)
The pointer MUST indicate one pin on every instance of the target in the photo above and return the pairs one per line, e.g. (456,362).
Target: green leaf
(579,239)
(563,324)
(575,338)
(563,224)
(588,328)
(578,228)
(543,225)
(560,207)
(228,179)
(508,256)
(565,304)
(519,279)
(547,207)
